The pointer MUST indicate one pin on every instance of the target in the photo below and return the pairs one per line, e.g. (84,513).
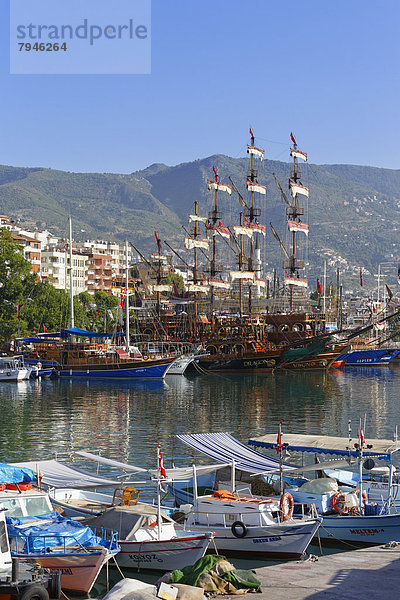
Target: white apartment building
(55,268)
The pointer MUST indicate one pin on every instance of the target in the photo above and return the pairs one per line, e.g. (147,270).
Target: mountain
(353,211)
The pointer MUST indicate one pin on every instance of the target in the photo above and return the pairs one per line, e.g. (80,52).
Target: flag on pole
(45,329)
(361,279)
(161,467)
(319,288)
(123,294)
(19,311)
(215,173)
(292,138)
(99,315)
(251,134)
(361,436)
(279,438)
(389,293)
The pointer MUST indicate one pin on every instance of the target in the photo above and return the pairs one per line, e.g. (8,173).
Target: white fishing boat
(348,514)
(57,543)
(12,369)
(148,537)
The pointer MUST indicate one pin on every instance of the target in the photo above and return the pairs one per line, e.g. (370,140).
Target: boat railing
(66,546)
(239,516)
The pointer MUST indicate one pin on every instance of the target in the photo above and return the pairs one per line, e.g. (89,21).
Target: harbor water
(124,420)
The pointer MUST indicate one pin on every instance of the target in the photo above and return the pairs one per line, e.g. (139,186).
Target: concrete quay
(370,573)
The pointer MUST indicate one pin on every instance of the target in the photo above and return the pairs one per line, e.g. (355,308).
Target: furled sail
(221,187)
(193,218)
(193,243)
(216,283)
(256,151)
(296,188)
(242,275)
(260,283)
(295,281)
(159,257)
(239,230)
(297,226)
(256,227)
(252,186)
(193,287)
(298,154)
(224,231)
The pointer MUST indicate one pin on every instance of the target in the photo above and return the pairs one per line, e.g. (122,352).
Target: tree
(175,278)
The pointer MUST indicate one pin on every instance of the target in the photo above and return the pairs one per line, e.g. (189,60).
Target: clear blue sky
(328,71)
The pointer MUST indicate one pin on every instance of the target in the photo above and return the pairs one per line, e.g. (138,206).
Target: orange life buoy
(286,506)
(145,357)
(21,486)
(338,503)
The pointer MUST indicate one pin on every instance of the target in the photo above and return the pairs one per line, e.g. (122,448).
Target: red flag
(19,311)
(251,133)
(319,288)
(361,279)
(361,436)
(98,312)
(155,233)
(215,173)
(279,438)
(373,308)
(389,293)
(161,467)
(292,138)
(123,294)
(45,329)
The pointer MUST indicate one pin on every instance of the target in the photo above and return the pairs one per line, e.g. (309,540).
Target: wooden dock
(371,573)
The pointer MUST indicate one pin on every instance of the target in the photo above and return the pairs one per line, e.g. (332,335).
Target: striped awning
(225,448)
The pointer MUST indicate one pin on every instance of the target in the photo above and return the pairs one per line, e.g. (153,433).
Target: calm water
(125,420)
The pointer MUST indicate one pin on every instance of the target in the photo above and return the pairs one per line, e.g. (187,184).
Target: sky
(326,71)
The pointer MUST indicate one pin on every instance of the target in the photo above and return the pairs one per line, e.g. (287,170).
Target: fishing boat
(37,532)
(348,515)
(12,369)
(150,539)
(371,357)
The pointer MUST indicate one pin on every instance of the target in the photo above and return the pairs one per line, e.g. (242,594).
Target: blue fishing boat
(372,357)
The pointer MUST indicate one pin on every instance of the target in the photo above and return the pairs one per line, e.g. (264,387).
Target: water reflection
(124,420)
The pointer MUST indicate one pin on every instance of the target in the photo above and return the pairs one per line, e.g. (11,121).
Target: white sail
(239,230)
(221,187)
(193,287)
(296,226)
(159,257)
(223,231)
(298,154)
(295,281)
(256,227)
(193,218)
(256,151)
(192,243)
(242,275)
(296,188)
(158,287)
(252,186)
(219,284)
(260,283)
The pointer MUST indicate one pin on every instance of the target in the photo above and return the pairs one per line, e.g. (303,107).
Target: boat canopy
(57,475)
(329,445)
(89,334)
(178,473)
(223,446)
(54,339)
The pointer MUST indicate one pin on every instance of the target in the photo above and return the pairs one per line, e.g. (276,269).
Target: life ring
(239,529)
(145,357)
(338,503)
(8,373)
(286,506)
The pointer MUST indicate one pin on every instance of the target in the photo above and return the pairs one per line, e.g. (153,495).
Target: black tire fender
(239,529)
(35,591)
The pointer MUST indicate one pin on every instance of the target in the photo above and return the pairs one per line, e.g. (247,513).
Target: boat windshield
(26,507)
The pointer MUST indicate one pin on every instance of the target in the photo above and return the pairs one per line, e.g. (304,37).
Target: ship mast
(294,211)
(214,224)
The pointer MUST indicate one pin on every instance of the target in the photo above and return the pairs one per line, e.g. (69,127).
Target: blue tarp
(11,474)
(90,334)
(62,531)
